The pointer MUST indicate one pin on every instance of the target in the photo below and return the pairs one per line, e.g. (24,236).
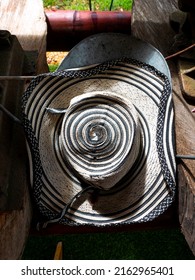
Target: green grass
(52,67)
(97,5)
(166,244)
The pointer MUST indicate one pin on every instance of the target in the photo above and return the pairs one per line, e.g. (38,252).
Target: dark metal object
(5,39)
(191,157)
(109,46)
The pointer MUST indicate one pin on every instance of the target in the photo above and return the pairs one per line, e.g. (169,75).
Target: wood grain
(150,22)
(26,20)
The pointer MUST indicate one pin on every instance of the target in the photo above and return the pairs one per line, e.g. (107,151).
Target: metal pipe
(67,28)
(5,78)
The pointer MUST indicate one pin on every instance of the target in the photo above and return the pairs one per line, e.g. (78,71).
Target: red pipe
(67,28)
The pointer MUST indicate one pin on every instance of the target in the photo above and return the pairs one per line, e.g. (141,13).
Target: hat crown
(100,137)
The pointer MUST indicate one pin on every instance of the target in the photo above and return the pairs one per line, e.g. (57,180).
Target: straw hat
(101,143)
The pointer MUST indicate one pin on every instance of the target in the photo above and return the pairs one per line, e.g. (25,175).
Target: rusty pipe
(66,28)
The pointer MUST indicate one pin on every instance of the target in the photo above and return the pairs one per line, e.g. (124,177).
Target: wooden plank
(150,22)
(26,20)
(185,139)
(15,206)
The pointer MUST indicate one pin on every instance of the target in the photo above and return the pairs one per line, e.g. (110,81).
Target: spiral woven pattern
(97,135)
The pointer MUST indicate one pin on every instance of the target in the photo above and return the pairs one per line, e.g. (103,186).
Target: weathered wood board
(185,145)
(150,22)
(26,20)
(15,213)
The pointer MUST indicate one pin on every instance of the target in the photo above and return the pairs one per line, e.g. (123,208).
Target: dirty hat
(100,134)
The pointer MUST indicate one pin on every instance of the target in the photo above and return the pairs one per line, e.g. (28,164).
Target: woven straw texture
(146,188)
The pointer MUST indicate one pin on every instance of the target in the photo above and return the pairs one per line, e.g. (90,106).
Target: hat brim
(103,47)
(147,189)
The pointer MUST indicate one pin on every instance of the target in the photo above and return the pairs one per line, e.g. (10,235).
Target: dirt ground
(55,57)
